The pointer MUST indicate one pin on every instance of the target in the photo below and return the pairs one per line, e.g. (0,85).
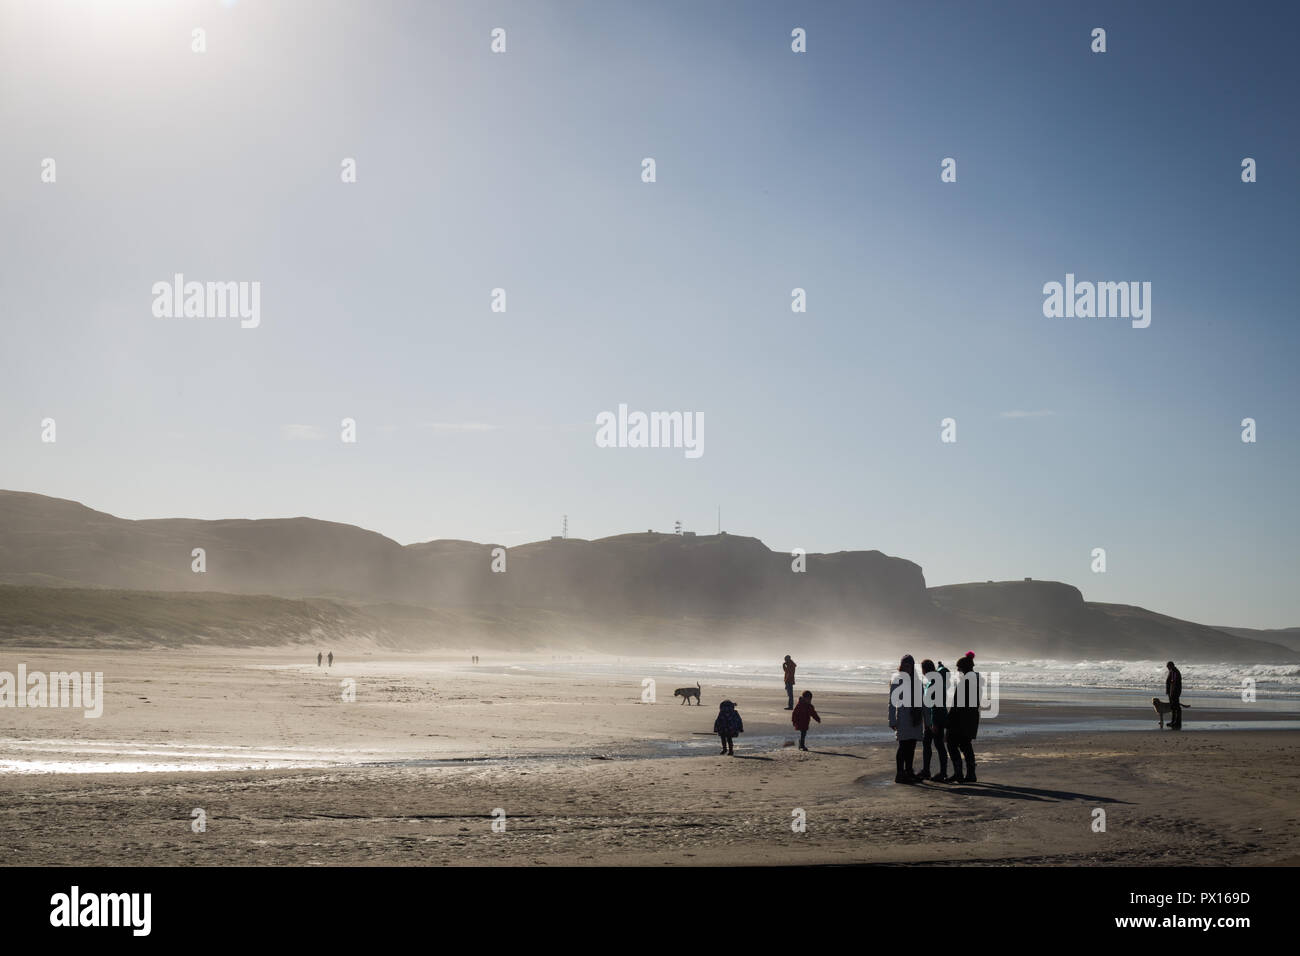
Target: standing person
(906,718)
(936,718)
(1174,688)
(802,711)
(964,719)
(331,658)
(318,658)
(789,667)
(728,726)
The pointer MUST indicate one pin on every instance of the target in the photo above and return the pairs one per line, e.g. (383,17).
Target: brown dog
(1163,707)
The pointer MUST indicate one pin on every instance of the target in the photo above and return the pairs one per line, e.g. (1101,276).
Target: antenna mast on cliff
(719,519)
(564,527)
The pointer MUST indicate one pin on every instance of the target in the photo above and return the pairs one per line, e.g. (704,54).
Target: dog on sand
(686,693)
(1164,707)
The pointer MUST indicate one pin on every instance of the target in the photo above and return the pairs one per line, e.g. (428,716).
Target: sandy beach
(581,771)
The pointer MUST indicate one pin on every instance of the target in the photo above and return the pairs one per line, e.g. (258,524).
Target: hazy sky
(775,170)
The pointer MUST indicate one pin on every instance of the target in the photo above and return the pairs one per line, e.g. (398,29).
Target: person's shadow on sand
(750,757)
(1008,792)
(832,753)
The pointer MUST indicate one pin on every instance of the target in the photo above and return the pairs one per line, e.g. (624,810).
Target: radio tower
(564,528)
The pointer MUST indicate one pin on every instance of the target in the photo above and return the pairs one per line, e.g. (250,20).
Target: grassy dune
(89,617)
(108,618)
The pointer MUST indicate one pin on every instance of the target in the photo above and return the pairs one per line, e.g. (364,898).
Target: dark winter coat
(728,723)
(1174,684)
(936,718)
(964,722)
(802,712)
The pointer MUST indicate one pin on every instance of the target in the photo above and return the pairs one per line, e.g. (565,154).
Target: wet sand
(584,772)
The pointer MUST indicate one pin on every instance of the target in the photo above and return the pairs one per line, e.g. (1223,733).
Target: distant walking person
(964,719)
(789,667)
(728,726)
(1174,688)
(802,711)
(905,718)
(331,659)
(318,658)
(936,718)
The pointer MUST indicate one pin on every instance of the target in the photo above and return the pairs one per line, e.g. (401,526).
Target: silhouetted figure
(318,658)
(905,719)
(728,726)
(1174,688)
(789,667)
(802,711)
(331,659)
(964,719)
(936,718)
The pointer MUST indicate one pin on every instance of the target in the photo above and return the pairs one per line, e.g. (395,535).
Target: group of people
(918,711)
(320,657)
(728,725)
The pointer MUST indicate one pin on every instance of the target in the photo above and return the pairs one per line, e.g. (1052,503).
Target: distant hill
(711,594)
(54,542)
(1054,619)
(1286,636)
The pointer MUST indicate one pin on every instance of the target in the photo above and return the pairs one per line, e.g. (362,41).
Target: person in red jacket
(788,666)
(802,711)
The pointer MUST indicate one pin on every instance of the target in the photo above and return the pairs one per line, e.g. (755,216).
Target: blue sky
(775,170)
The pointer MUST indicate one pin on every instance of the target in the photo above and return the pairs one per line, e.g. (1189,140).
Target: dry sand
(585,773)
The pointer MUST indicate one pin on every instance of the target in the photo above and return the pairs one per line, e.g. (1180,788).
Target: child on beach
(802,711)
(728,726)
